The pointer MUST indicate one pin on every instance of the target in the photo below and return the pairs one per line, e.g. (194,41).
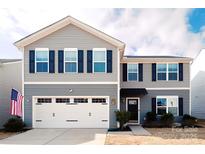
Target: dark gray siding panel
(62,90)
(146,101)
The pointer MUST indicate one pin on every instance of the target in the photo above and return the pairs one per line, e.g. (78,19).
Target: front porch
(130,101)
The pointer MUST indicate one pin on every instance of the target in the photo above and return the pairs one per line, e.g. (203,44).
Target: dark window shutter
(154,105)
(89,61)
(32,61)
(140,72)
(154,71)
(60,61)
(180,71)
(51,61)
(124,71)
(109,61)
(180,106)
(80,61)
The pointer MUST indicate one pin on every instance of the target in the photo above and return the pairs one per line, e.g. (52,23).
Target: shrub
(189,121)
(151,116)
(14,124)
(122,117)
(167,119)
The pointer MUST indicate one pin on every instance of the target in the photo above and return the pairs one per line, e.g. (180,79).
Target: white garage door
(71,112)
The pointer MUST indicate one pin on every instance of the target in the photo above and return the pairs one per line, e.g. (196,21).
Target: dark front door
(132,107)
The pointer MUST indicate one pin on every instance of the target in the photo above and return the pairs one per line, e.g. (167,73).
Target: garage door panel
(85,114)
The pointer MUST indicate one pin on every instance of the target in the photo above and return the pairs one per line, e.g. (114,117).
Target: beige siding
(148,83)
(70,37)
(10,77)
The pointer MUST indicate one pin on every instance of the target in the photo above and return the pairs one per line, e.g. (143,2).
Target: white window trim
(167,98)
(41,49)
(105,61)
(167,71)
(136,72)
(76,61)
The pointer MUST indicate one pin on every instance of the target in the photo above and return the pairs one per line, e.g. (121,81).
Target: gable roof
(62,23)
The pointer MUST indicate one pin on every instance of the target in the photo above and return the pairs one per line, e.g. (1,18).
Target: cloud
(145,31)
(155,32)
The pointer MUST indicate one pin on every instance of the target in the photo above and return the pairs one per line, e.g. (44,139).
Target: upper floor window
(132,72)
(70,59)
(167,71)
(42,58)
(173,71)
(162,71)
(99,60)
(167,104)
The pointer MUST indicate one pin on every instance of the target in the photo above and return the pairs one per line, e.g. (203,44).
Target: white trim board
(70,82)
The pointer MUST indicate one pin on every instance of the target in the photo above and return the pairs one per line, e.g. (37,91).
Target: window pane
(132,68)
(70,67)
(70,56)
(161,67)
(132,76)
(173,102)
(172,110)
(42,67)
(41,55)
(99,56)
(172,67)
(172,76)
(161,101)
(161,76)
(99,67)
(161,111)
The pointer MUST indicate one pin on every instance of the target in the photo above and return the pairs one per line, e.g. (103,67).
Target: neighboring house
(76,76)
(198,85)
(10,77)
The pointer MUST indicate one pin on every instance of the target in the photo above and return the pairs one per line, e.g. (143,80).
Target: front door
(132,107)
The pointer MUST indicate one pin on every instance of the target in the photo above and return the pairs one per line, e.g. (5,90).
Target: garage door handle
(54,114)
(89,114)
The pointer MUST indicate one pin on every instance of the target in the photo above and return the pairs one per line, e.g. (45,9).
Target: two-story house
(75,76)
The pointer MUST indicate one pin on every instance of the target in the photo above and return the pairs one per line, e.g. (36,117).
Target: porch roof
(132,92)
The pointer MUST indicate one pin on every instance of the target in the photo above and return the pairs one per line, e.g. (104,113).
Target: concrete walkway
(139,131)
(58,137)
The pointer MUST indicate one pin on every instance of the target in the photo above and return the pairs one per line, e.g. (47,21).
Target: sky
(177,32)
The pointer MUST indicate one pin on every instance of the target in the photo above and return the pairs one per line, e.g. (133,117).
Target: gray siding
(10,77)
(197,95)
(148,83)
(62,90)
(146,102)
(70,37)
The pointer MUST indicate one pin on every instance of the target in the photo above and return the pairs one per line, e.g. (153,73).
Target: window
(44,100)
(70,59)
(42,58)
(167,71)
(80,100)
(168,104)
(172,71)
(99,60)
(62,100)
(132,72)
(98,100)
(162,71)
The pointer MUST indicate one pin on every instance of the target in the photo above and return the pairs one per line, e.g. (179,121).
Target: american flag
(16,103)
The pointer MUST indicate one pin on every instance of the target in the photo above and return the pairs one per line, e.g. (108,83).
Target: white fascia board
(70,83)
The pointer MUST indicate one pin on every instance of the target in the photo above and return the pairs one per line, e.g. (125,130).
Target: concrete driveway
(59,137)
